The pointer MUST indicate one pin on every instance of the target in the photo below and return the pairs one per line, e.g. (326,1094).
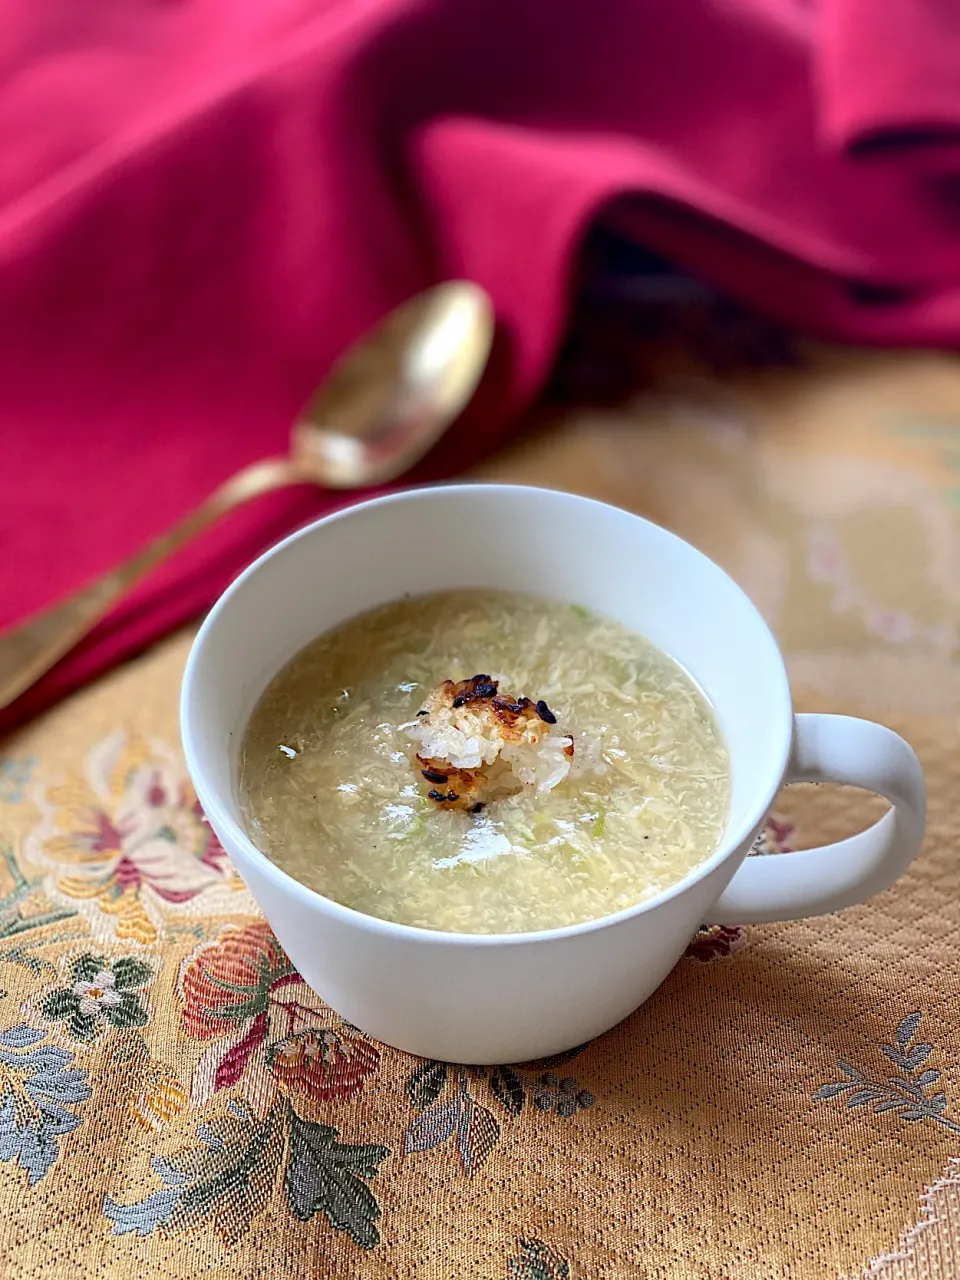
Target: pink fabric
(202,204)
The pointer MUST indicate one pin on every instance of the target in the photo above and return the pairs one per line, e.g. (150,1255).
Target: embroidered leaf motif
(38,1087)
(142,1217)
(128,1013)
(86,967)
(15,773)
(229,1178)
(226,1180)
(918,1055)
(477,1128)
(903,1084)
(426,1083)
(82,1026)
(904,1094)
(507,1088)
(830,1091)
(22,1036)
(862,1097)
(327,1175)
(537,1261)
(477,1134)
(907,1029)
(895,1055)
(23,956)
(58,1005)
(434,1127)
(129,972)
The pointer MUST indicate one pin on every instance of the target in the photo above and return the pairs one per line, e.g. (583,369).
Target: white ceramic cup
(514,997)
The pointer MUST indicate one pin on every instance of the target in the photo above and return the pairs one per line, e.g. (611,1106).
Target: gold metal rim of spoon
(383,406)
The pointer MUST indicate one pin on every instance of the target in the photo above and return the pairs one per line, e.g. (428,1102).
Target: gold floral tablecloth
(175,1102)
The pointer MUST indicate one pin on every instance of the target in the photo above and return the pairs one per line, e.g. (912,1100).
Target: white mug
(515,997)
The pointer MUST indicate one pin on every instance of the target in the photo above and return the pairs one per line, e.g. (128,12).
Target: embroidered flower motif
(159,1099)
(318,1066)
(716,942)
(892,625)
(128,844)
(829,565)
(273,1042)
(719,942)
(38,1086)
(273,1033)
(98,994)
(101,994)
(228,981)
(777,836)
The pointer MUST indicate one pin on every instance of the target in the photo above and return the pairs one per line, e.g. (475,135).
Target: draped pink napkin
(202,204)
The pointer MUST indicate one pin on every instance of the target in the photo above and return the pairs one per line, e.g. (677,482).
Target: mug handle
(812,882)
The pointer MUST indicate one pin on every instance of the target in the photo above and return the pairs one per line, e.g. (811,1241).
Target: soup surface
(331,788)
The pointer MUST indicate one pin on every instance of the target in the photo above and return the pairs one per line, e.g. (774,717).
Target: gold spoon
(385,403)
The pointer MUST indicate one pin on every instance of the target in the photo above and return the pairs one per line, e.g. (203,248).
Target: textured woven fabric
(175,1102)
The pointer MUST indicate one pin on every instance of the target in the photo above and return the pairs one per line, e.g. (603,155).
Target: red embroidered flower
(318,1066)
(271,1031)
(230,981)
(716,942)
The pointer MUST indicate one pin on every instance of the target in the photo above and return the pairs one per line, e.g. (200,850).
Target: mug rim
(210,801)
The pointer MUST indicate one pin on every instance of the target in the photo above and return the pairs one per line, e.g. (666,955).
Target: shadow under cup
(468,997)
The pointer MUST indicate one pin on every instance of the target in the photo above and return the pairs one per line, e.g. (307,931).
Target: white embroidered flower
(101,991)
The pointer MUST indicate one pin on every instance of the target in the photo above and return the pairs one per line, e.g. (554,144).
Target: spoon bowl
(389,399)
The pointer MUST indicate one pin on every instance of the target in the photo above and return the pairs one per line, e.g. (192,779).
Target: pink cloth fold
(890,74)
(202,204)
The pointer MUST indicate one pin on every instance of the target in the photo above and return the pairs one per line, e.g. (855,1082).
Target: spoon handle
(29,650)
